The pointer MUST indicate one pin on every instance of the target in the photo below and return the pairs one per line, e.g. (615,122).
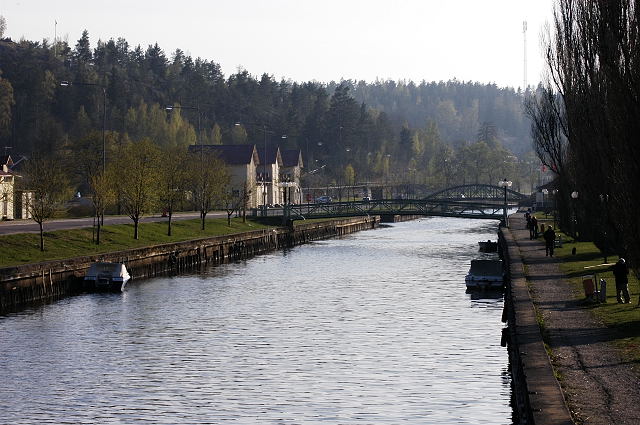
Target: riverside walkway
(599,387)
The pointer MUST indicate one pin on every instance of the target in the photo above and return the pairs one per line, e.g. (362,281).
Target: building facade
(262,177)
(241,161)
(7,189)
(292,165)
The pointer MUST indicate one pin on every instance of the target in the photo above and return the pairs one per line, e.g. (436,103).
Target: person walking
(533,228)
(549,236)
(621,273)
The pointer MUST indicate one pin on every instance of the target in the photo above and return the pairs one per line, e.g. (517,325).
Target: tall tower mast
(524,34)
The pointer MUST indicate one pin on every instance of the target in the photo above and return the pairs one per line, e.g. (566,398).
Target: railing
(493,210)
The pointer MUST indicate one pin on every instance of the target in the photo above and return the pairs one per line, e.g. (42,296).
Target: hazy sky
(302,40)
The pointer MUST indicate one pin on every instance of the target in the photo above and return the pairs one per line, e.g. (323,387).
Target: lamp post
(544,192)
(505,184)
(202,182)
(104,114)
(104,124)
(574,218)
(386,169)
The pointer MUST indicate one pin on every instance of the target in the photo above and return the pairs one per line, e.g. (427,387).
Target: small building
(271,179)
(242,161)
(290,176)
(268,176)
(7,188)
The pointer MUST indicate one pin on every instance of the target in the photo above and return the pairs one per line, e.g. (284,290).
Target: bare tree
(594,64)
(548,127)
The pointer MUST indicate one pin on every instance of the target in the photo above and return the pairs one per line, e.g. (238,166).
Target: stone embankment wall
(537,397)
(397,218)
(30,283)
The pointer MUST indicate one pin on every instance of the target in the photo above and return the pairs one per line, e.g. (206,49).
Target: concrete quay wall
(26,284)
(537,395)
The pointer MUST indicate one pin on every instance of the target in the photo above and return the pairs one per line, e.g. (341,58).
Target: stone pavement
(598,386)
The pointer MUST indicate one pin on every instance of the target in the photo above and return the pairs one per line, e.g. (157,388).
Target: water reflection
(373,328)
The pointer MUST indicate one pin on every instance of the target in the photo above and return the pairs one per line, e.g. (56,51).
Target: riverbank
(573,372)
(24,248)
(25,284)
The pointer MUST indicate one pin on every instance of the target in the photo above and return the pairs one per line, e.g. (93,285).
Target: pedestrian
(533,231)
(621,272)
(528,218)
(549,236)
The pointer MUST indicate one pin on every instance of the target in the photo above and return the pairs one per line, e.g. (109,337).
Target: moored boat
(107,277)
(488,246)
(485,274)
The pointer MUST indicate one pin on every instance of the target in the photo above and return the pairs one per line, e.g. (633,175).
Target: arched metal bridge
(477,192)
(468,201)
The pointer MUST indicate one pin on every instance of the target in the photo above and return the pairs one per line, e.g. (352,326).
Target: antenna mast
(524,34)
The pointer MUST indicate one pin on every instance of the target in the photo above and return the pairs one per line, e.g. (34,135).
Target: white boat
(485,274)
(107,277)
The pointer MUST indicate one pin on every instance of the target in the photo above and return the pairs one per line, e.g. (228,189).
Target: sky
(313,40)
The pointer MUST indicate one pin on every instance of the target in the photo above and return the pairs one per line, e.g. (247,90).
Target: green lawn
(25,248)
(623,319)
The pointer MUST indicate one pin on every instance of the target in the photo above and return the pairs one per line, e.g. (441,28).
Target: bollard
(603,291)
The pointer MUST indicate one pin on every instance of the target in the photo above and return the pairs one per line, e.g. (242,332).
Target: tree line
(141,178)
(429,133)
(586,120)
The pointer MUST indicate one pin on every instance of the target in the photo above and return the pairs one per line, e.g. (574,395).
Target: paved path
(598,386)
(30,226)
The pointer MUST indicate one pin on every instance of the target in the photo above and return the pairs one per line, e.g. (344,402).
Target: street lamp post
(544,192)
(505,184)
(104,123)
(104,114)
(198,143)
(604,199)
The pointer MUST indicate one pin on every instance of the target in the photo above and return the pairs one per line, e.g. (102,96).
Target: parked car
(323,199)
(366,198)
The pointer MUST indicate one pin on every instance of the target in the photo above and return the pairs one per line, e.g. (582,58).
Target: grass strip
(623,319)
(24,248)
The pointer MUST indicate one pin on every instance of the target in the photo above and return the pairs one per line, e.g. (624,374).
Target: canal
(375,328)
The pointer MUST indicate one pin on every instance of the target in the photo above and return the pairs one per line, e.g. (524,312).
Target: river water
(374,328)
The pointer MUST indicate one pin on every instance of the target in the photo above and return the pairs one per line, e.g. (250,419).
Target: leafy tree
(3,26)
(174,180)
(48,185)
(349,175)
(216,135)
(82,51)
(488,133)
(208,181)
(138,179)
(6,103)
(238,134)
(102,195)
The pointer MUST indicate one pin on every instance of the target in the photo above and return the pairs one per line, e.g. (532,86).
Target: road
(30,226)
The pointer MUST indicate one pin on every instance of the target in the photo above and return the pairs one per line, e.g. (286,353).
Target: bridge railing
(428,207)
